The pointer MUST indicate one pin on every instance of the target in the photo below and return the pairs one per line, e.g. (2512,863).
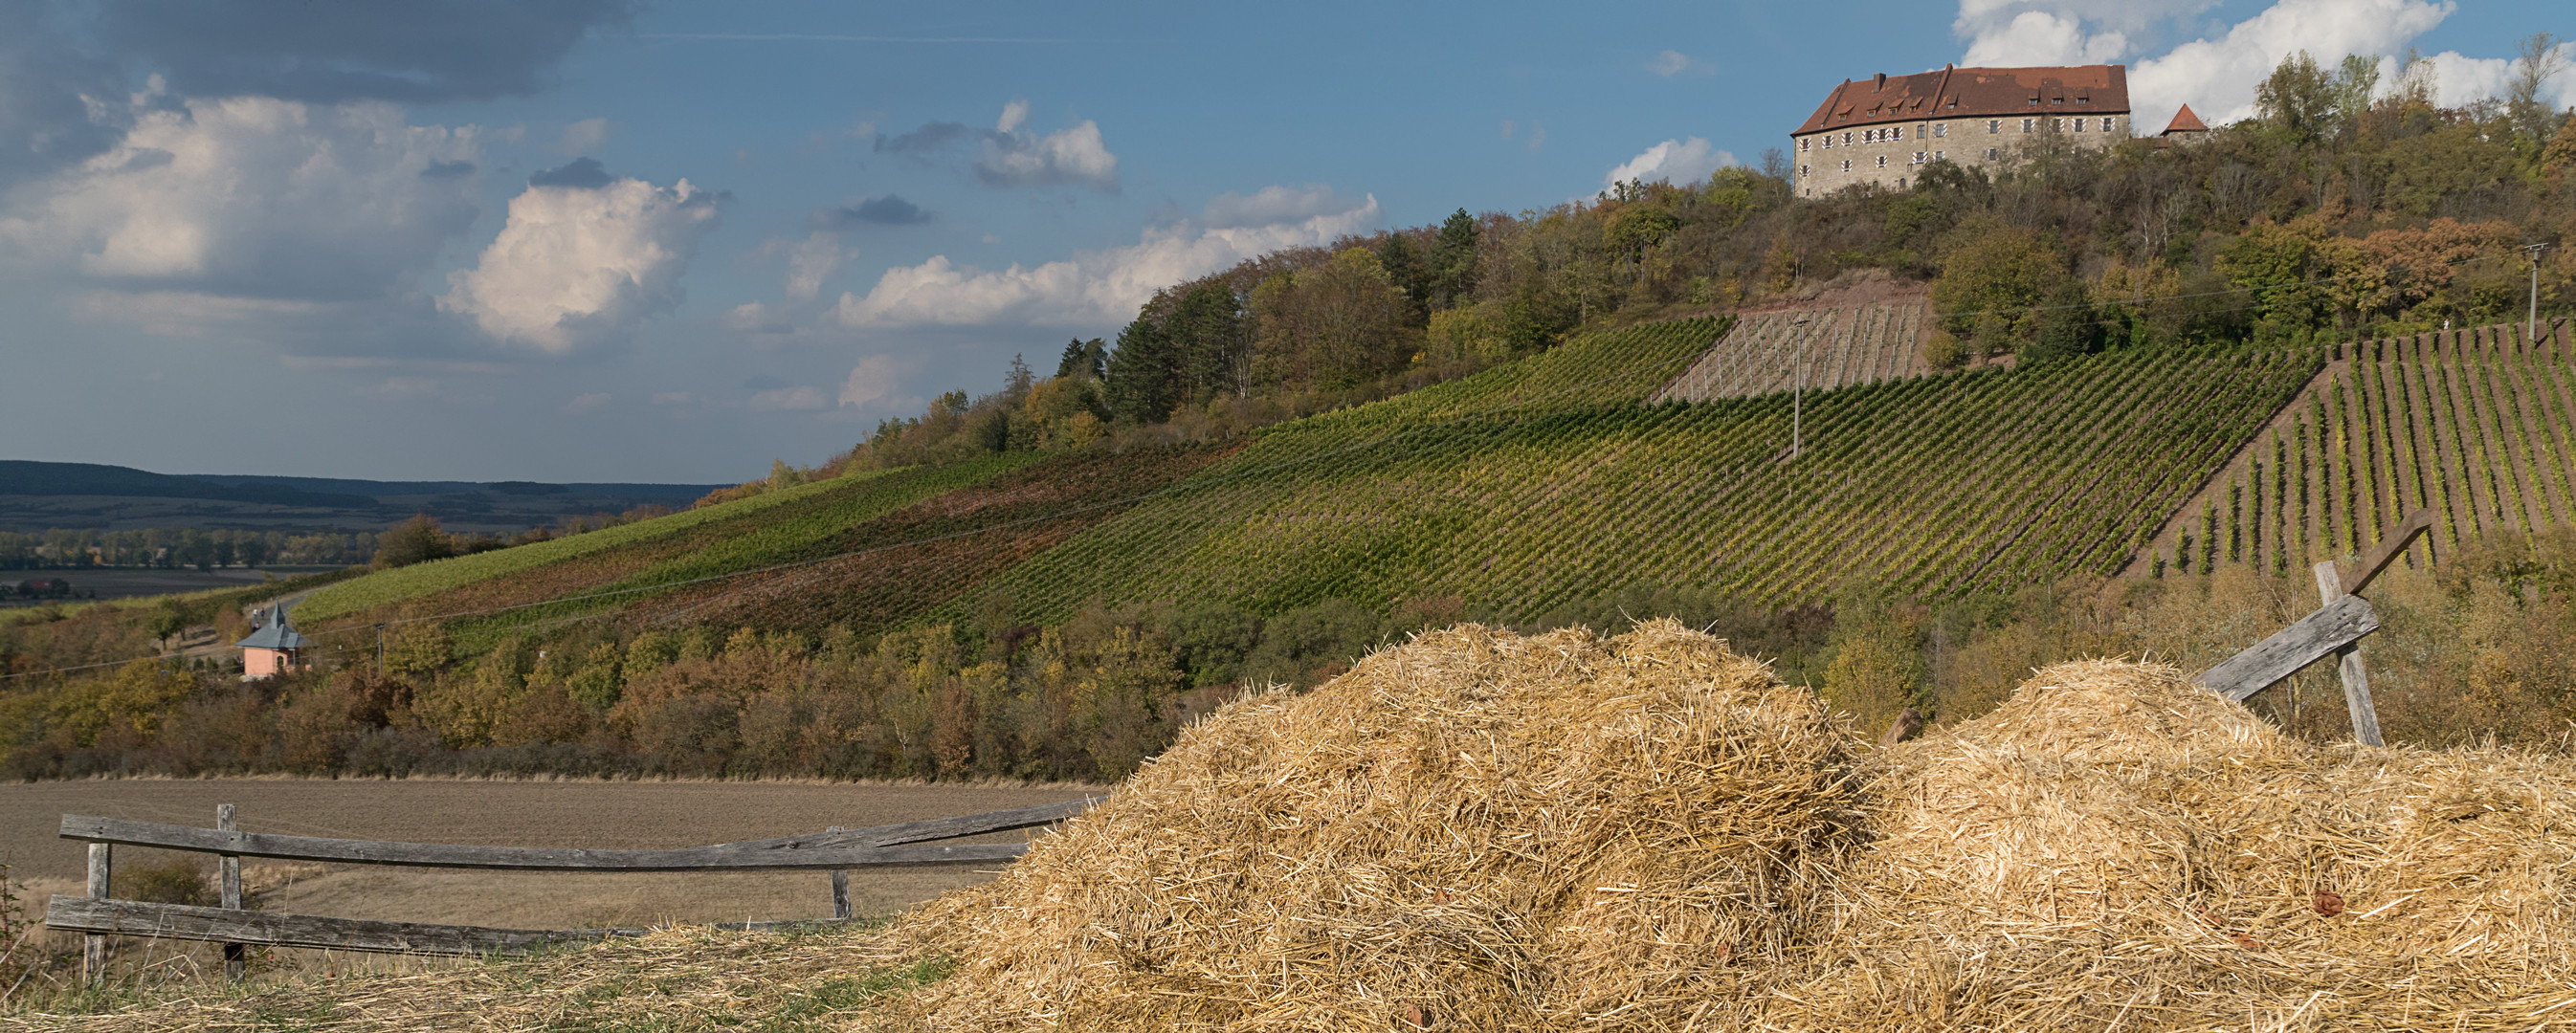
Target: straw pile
(2115,846)
(1480,831)
(1474,831)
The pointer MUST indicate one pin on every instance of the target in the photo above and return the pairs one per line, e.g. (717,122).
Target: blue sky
(592,240)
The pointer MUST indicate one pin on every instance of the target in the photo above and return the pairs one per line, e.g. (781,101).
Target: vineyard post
(2531,325)
(1798,392)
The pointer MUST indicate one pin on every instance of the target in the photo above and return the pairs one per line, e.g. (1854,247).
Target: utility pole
(2531,329)
(1798,392)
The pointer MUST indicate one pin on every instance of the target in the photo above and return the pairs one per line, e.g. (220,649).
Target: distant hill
(36,496)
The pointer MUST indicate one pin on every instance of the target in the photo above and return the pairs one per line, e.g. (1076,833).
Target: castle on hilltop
(1885,129)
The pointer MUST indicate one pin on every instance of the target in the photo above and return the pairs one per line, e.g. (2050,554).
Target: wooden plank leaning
(2264,664)
(227,925)
(723,857)
(2356,679)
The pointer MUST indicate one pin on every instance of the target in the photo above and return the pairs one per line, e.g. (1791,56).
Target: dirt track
(587,814)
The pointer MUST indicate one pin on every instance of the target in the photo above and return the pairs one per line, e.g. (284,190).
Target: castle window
(1882,161)
(1990,154)
(2029,124)
(1846,164)
(1941,129)
(1919,158)
(2079,125)
(1804,141)
(1846,137)
(1994,125)
(2059,124)
(2106,125)
(1940,155)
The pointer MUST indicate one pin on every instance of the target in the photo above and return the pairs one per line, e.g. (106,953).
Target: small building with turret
(273,649)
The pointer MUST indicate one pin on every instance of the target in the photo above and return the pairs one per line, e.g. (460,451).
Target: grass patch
(402,584)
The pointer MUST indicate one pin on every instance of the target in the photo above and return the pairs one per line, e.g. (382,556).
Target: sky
(601,240)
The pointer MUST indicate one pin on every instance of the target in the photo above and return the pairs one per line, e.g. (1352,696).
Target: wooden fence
(837,850)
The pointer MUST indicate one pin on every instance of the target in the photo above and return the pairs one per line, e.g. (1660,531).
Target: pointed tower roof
(2185,122)
(275,633)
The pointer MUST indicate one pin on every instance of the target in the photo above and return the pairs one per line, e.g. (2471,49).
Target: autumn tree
(416,540)
(1329,327)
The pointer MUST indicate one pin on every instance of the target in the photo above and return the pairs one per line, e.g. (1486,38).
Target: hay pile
(1474,831)
(1481,831)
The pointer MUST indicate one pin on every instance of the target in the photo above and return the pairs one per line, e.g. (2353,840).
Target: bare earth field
(607,815)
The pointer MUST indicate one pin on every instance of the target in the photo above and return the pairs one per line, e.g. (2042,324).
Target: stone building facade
(1883,130)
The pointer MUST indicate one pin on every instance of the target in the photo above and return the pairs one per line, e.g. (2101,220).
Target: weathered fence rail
(910,844)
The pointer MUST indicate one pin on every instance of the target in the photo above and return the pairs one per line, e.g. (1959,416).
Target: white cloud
(2044,38)
(1091,289)
(583,135)
(576,266)
(586,402)
(1015,157)
(2217,76)
(1274,205)
(2459,79)
(2214,72)
(670,398)
(1673,62)
(756,317)
(812,262)
(406,387)
(787,399)
(873,378)
(1672,161)
(254,198)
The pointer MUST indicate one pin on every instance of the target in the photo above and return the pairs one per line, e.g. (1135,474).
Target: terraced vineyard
(1860,341)
(1935,485)
(729,536)
(2476,424)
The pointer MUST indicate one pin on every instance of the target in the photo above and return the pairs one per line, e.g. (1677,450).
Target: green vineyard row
(2477,425)
(1932,485)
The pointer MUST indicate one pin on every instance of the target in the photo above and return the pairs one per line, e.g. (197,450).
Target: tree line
(172,548)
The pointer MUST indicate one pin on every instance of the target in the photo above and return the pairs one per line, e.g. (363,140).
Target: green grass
(743,529)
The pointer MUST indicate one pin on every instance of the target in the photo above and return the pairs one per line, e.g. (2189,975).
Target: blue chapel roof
(275,634)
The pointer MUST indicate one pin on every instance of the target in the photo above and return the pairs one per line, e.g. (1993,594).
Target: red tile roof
(2184,122)
(1973,93)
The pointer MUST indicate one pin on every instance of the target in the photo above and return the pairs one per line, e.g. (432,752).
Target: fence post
(94,945)
(840,886)
(2356,680)
(228,872)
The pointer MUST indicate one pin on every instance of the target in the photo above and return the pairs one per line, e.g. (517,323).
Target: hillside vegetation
(1930,487)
